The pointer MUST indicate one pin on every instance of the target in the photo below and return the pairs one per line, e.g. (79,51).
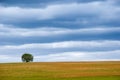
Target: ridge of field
(61,70)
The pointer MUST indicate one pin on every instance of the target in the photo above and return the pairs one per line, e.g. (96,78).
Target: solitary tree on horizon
(26,57)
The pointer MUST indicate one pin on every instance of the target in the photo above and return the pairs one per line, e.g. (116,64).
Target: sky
(60,30)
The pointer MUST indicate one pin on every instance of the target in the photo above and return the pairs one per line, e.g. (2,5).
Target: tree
(27,57)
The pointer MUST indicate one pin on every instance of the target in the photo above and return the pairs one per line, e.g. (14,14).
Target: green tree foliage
(27,57)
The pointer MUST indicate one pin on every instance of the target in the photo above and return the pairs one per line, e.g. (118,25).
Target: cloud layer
(60,30)
(103,11)
(68,44)
(46,31)
(70,56)
(65,51)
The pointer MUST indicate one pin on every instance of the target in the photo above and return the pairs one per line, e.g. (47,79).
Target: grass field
(61,71)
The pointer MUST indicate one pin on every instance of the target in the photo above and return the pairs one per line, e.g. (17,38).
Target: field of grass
(60,71)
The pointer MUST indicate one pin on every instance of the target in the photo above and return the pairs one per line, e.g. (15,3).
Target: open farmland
(60,70)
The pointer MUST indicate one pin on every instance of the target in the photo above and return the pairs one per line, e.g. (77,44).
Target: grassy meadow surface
(60,71)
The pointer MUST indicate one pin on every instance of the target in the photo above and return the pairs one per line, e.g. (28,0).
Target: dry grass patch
(59,69)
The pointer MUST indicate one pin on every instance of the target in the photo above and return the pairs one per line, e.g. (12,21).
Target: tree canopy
(26,57)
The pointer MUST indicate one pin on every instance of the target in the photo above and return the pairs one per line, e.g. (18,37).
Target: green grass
(60,71)
(75,78)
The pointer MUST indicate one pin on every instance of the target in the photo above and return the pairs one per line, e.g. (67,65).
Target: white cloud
(75,51)
(69,56)
(102,9)
(9,58)
(4,57)
(68,44)
(81,56)
(7,30)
